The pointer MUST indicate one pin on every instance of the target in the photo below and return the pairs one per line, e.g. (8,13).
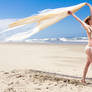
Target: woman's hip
(88,50)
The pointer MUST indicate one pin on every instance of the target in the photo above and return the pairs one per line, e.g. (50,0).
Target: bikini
(87,46)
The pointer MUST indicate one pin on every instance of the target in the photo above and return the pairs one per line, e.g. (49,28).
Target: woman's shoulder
(86,26)
(85,23)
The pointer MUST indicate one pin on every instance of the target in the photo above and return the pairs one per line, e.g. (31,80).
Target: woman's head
(88,20)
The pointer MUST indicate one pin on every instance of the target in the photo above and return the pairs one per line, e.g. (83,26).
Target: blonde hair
(86,20)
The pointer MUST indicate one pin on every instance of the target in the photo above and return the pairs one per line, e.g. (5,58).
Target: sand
(43,68)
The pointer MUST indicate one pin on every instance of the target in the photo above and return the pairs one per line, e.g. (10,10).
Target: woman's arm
(78,19)
(90,8)
(82,22)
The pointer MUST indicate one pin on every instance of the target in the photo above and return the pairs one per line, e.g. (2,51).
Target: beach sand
(43,68)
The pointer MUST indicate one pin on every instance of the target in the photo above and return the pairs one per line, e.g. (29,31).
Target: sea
(23,35)
(63,40)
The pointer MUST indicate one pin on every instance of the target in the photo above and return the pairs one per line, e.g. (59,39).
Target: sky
(11,10)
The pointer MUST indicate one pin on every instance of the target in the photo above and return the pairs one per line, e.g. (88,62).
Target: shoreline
(37,43)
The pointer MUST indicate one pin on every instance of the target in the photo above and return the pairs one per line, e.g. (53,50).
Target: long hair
(86,20)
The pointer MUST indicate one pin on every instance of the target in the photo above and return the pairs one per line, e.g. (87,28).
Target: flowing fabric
(37,22)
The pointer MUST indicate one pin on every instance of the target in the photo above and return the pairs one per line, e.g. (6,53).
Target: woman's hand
(88,4)
(70,12)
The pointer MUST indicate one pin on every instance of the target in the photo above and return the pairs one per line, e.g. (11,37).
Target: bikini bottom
(88,50)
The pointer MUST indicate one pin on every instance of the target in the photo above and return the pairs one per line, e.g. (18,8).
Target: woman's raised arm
(78,19)
(90,8)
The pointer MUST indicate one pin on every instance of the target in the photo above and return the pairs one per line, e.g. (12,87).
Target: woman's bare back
(88,48)
(89,34)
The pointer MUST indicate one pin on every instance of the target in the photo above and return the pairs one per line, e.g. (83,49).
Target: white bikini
(87,46)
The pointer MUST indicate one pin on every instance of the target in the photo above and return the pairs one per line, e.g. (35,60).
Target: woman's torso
(89,35)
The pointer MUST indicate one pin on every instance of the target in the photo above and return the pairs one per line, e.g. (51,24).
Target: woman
(87,24)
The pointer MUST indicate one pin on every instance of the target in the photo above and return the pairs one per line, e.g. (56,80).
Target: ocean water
(22,35)
(63,40)
(60,40)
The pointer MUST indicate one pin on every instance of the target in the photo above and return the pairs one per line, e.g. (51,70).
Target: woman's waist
(90,43)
